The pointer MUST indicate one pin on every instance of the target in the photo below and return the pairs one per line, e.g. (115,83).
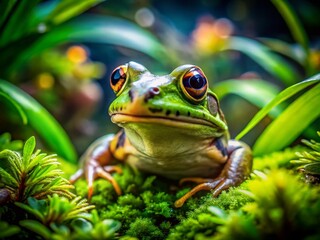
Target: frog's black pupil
(116,76)
(197,81)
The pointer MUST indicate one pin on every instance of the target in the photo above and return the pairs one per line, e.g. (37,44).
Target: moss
(253,210)
(149,201)
(144,229)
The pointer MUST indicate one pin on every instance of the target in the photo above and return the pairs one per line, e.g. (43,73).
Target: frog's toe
(93,171)
(194,180)
(101,172)
(209,185)
(111,169)
(75,177)
(224,184)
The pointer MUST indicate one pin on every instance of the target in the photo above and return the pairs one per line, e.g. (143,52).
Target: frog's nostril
(154,90)
(151,93)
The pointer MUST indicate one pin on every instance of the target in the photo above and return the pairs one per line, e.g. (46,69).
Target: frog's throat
(181,121)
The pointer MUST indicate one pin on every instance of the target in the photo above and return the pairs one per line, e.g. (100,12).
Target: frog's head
(180,100)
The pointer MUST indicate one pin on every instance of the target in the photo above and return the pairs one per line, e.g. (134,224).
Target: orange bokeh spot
(77,54)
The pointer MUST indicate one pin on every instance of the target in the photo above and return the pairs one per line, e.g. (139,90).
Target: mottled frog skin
(172,126)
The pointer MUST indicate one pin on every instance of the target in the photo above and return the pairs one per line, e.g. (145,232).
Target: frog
(172,126)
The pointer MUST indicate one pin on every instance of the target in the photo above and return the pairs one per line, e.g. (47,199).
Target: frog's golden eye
(194,84)
(118,78)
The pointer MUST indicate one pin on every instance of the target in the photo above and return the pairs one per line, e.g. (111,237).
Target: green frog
(172,126)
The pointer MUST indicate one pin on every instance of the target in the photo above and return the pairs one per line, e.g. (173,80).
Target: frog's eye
(194,85)
(118,78)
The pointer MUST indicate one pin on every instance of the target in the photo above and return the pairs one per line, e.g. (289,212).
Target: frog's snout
(144,95)
(151,92)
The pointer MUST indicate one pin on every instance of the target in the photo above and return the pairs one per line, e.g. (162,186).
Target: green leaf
(15,105)
(39,205)
(18,21)
(7,179)
(262,55)
(41,120)
(257,92)
(295,26)
(68,9)
(7,230)
(13,163)
(92,29)
(36,227)
(290,124)
(312,168)
(282,96)
(292,51)
(28,150)
(6,8)
(30,209)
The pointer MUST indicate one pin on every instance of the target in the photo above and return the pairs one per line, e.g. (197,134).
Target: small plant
(309,160)
(56,209)
(31,174)
(40,200)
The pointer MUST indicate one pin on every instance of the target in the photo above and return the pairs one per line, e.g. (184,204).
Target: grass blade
(257,92)
(15,105)
(68,9)
(271,62)
(295,52)
(41,121)
(18,21)
(282,96)
(6,8)
(294,25)
(290,124)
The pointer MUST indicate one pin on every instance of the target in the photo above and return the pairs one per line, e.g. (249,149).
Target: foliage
(33,113)
(22,25)
(40,202)
(279,210)
(289,119)
(7,230)
(309,160)
(32,174)
(56,209)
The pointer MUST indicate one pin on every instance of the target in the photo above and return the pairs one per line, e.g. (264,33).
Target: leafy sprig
(309,160)
(56,209)
(32,174)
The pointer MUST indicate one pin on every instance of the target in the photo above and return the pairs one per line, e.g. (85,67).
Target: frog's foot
(217,185)
(93,171)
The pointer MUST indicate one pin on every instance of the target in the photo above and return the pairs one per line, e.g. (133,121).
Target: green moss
(146,207)
(144,229)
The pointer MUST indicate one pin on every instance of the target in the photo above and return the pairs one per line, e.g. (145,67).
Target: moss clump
(146,208)
(145,228)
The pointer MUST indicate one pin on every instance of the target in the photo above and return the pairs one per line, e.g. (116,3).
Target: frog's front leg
(97,158)
(235,171)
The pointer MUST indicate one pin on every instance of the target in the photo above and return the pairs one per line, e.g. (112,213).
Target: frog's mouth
(181,121)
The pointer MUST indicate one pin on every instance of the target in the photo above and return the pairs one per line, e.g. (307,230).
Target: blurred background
(62,53)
